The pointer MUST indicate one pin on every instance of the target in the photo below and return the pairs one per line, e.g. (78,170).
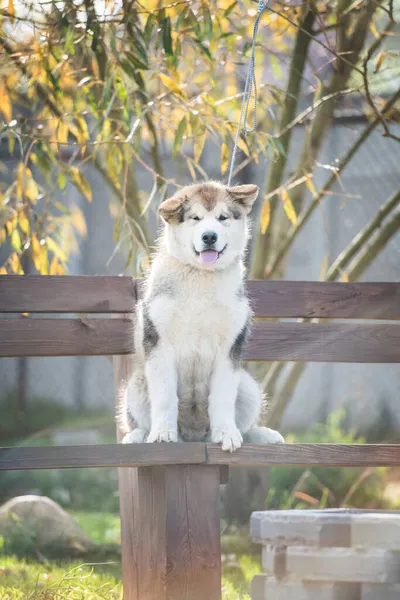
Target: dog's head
(206,224)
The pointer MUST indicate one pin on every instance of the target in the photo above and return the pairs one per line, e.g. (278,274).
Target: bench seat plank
(138,455)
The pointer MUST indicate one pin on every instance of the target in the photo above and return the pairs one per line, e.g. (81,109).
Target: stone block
(274,560)
(380,591)
(266,588)
(325,528)
(373,565)
(376,530)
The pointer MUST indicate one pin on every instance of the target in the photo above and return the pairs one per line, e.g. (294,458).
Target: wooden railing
(169,494)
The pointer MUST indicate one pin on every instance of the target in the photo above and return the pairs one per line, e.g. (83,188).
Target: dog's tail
(123,369)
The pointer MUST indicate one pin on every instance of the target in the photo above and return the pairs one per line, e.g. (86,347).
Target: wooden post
(170,533)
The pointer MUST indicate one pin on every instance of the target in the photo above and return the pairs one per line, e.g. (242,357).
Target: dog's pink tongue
(208,257)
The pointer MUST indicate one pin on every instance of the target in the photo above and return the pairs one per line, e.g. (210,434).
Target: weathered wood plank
(321,299)
(193,533)
(101,455)
(66,294)
(328,455)
(196,453)
(65,337)
(109,294)
(325,342)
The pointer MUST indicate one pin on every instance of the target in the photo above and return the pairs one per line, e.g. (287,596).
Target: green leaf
(229,9)
(204,49)
(208,24)
(151,197)
(179,136)
(167,39)
(137,62)
(148,30)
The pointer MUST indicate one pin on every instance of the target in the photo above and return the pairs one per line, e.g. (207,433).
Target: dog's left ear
(245,195)
(173,208)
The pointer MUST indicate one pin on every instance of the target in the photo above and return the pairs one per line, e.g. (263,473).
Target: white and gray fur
(187,382)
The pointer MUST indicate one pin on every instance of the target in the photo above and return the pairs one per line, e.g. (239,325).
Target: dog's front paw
(162,435)
(230,439)
(137,436)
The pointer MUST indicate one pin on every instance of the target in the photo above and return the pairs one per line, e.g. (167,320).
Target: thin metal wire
(249,85)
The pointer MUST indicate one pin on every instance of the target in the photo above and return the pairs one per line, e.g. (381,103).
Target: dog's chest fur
(198,316)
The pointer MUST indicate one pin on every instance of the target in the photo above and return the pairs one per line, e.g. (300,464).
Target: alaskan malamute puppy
(187,381)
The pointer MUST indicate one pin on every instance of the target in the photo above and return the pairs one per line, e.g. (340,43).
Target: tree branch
(277,168)
(303,218)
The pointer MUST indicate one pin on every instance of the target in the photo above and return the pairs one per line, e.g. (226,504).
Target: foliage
(108,85)
(326,487)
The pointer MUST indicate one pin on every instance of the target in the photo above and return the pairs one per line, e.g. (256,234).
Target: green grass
(28,580)
(99,578)
(23,580)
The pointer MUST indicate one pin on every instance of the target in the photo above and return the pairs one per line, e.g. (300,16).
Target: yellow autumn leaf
(5,101)
(56,268)
(379,61)
(31,188)
(78,220)
(11,9)
(310,185)
(62,132)
(288,207)
(170,84)
(81,183)
(23,222)
(3,271)
(199,146)
(243,146)
(14,263)
(265,216)
(36,252)
(344,276)
(373,30)
(224,157)
(55,249)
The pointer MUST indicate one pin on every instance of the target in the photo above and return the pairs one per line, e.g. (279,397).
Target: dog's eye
(195,218)
(222,218)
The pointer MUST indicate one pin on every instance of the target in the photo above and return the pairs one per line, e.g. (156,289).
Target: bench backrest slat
(66,294)
(98,294)
(325,342)
(65,337)
(329,300)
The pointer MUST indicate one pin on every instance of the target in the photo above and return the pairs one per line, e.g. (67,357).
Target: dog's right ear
(173,209)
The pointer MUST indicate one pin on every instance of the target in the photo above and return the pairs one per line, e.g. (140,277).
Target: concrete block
(325,528)
(380,591)
(376,530)
(374,565)
(274,560)
(265,588)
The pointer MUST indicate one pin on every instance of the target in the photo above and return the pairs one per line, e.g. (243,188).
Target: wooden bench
(169,494)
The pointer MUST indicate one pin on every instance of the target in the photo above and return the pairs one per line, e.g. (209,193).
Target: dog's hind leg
(137,409)
(248,409)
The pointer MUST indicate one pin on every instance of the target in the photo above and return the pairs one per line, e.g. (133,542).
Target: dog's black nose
(209,238)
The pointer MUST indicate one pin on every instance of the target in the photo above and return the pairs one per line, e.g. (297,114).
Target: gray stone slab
(373,565)
(380,530)
(325,528)
(265,588)
(380,591)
